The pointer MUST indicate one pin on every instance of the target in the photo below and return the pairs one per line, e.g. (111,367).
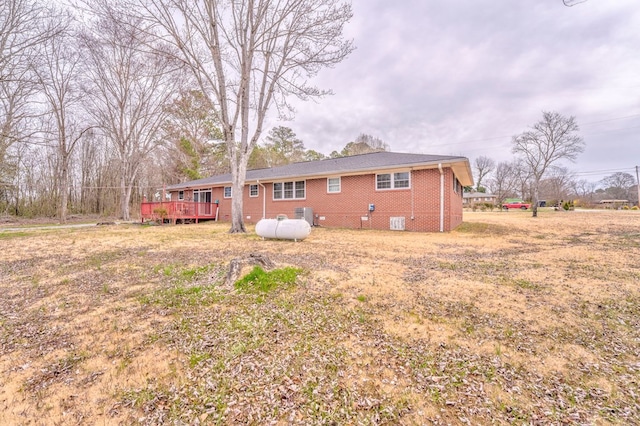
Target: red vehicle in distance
(516,205)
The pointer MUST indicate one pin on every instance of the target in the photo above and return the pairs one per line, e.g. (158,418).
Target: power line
(612,130)
(583,124)
(611,119)
(600,172)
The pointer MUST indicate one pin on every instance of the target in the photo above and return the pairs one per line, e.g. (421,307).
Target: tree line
(510,179)
(98,112)
(536,172)
(102,103)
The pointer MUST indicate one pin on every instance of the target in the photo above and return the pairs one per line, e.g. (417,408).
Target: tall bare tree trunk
(238,172)
(64,190)
(246,55)
(534,201)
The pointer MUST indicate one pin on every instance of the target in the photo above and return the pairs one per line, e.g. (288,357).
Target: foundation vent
(396,223)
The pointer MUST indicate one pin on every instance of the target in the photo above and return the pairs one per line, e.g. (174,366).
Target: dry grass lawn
(508,319)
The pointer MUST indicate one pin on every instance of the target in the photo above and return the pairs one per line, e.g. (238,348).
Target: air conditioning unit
(305,213)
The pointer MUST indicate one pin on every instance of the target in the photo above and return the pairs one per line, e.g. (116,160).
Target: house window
(253,190)
(180,195)
(392,180)
(300,189)
(333,185)
(457,186)
(227,192)
(289,190)
(401,180)
(383,181)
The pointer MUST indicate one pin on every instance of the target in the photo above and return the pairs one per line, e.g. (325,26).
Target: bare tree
(24,24)
(570,3)
(98,168)
(557,184)
(619,185)
(584,190)
(484,166)
(58,75)
(89,163)
(14,127)
(248,55)
(523,179)
(373,142)
(504,182)
(550,140)
(363,144)
(129,87)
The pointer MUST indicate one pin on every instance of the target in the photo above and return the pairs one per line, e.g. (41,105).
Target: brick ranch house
(381,190)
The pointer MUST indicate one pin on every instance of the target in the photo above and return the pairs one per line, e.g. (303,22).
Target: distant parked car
(516,205)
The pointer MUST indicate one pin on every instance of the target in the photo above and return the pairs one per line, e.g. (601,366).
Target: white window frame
(251,186)
(329,184)
(291,187)
(392,181)
(196,194)
(224,192)
(180,195)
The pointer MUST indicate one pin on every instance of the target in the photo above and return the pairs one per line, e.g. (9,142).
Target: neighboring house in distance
(381,190)
(471,198)
(614,204)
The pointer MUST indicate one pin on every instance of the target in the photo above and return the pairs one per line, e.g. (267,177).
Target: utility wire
(583,124)
(601,172)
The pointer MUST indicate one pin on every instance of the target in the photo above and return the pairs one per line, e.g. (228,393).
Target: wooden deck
(178,211)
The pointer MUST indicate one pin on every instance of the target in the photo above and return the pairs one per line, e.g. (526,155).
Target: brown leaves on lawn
(509,321)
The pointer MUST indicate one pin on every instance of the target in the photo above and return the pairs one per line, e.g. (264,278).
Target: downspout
(264,199)
(413,216)
(441,197)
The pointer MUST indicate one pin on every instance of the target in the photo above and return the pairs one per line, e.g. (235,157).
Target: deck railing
(177,210)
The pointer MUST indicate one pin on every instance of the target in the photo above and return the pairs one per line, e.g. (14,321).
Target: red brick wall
(346,208)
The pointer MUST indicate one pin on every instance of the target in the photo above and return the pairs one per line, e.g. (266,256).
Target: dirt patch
(507,319)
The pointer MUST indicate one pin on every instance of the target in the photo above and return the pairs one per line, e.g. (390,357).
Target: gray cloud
(462,77)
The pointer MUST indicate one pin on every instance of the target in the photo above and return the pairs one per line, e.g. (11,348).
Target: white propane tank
(286,229)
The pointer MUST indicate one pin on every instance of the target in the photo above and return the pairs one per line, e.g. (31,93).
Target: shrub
(161,212)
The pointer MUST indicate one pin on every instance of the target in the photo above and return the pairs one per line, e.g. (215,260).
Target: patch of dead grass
(508,319)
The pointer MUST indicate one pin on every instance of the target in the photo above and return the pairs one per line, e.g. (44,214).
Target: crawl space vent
(396,223)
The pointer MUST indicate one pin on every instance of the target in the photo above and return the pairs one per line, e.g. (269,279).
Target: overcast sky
(460,77)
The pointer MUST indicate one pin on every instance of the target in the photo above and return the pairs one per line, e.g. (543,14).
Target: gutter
(441,197)
(413,216)
(326,173)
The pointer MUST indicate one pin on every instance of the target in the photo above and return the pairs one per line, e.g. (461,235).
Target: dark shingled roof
(355,164)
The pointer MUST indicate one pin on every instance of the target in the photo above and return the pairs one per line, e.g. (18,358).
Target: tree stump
(236,265)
